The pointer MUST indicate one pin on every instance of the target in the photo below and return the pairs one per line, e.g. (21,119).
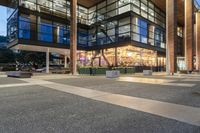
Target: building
(144,33)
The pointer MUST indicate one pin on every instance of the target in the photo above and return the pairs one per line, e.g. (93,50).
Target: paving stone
(36,109)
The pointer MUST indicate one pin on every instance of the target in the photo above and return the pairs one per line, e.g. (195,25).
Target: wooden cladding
(73,37)
(197,28)
(189,34)
(180,9)
(171,34)
(89,3)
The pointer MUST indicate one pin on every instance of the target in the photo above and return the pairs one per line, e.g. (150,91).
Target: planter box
(147,72)
(112,74)
(19,74)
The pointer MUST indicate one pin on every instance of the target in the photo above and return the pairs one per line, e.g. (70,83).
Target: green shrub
(8,68)
(102,70)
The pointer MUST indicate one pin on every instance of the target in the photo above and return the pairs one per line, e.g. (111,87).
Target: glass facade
(60,8)
(180,41)
(145,23)
(35,28)
(111,8)
(12,26)
(24,27)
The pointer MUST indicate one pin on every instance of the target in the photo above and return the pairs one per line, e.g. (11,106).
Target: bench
(19,74)
(112,74)
(147,72)
(61,71)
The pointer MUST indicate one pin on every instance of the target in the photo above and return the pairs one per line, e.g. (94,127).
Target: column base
(170,74)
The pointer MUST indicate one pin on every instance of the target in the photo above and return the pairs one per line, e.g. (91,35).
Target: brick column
(73,37)
(171,35)
(189,34)
(197,28)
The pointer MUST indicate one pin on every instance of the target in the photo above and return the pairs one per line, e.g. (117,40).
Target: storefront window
(128,56)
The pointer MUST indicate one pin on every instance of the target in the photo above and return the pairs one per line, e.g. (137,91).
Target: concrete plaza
(94,104)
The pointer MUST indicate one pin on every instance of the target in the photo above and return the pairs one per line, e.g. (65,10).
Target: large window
(147,33)
(92,36)
(159,38)
(12,27)
(99,12)
(124,29)
(101,34)
(24,27)
(112,31)
(45,31)
(140,30)
(144,8)
(82,15)
(151,40)
(61,34)
(143,31)
(59,8)
(124,6)
(55,7)
(82,37)
(30,4)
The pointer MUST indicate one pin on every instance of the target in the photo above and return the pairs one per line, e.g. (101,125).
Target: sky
(3,21)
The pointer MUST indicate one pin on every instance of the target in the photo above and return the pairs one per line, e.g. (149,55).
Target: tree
(34,59)
(6,56)
(3,39)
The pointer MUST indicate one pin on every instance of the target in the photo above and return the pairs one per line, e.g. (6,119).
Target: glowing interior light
(129,54)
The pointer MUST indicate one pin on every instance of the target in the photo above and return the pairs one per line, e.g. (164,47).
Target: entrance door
(181,64)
